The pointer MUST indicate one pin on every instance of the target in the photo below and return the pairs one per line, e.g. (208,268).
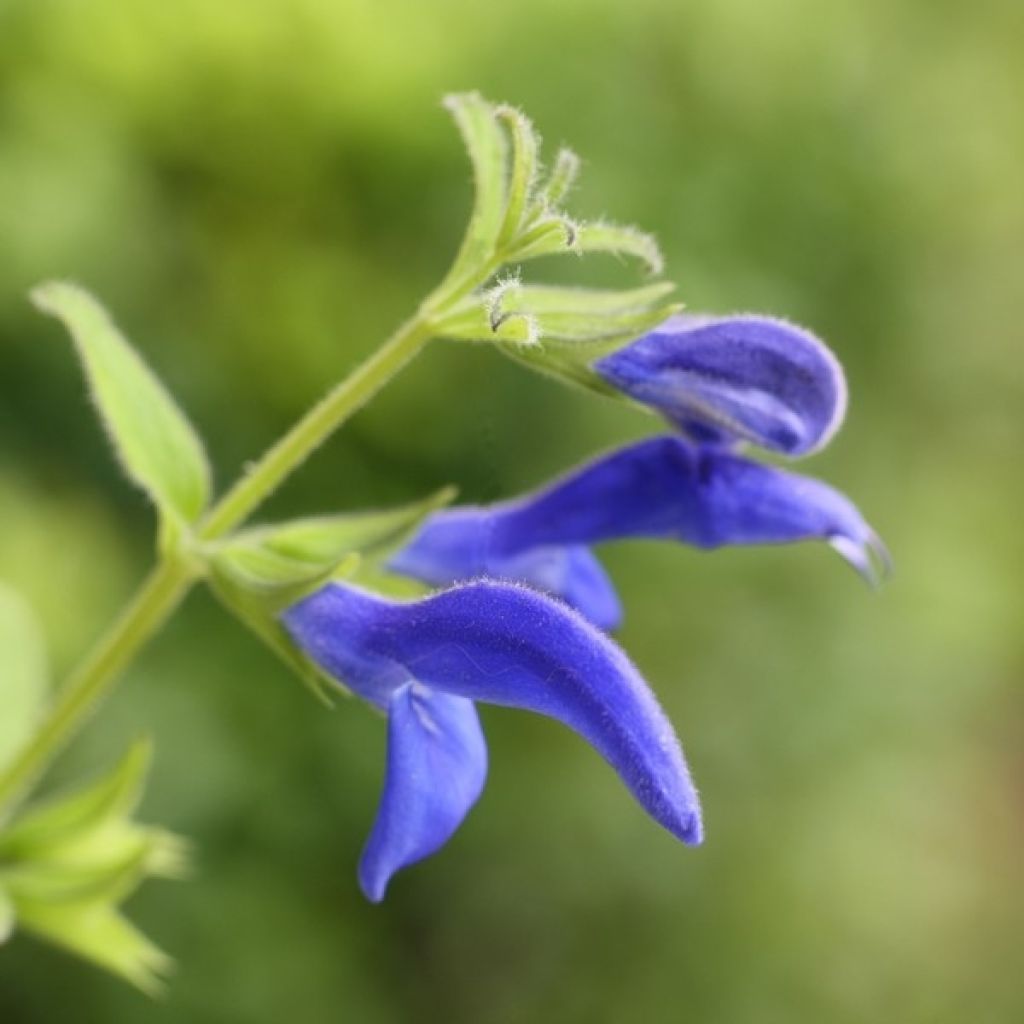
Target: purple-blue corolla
(426,662)
(722,381)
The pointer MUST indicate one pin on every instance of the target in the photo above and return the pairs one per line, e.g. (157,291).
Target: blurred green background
(260,190)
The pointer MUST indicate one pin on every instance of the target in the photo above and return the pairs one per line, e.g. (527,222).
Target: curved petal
(663,488)
(466,543)
(735,378)
(509,645)
(436,768)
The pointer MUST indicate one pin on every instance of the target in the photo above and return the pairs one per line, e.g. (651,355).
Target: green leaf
(23,674)
(152,438)
(98,932)
(487,146)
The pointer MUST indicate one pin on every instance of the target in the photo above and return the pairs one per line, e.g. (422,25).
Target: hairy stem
(166,586)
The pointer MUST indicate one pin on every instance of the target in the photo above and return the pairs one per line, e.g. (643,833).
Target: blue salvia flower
(735,378)
(722,381)
(425,663)
(664,488)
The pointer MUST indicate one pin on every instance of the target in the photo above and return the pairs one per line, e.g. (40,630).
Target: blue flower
(425,663)
(664,488)
(735,378)
(521,540)
(723,381)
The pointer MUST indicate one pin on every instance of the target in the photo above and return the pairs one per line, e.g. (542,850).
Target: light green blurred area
(260,190)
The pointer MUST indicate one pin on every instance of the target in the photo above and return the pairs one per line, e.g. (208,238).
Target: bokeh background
(260,190)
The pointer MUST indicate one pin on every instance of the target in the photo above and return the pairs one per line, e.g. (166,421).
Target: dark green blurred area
(261,191)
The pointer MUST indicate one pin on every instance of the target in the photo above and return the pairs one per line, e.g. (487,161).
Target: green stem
(158,596)
(172,578)
(315,427)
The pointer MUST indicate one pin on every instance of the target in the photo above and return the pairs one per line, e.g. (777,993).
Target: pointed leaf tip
(153,440)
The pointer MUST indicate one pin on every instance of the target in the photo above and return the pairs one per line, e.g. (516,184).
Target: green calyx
(67,865)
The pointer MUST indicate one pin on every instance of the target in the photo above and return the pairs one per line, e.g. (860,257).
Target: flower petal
(509,645)
(467,543)
(436,768)
(663,488)
(574,574)
(735,378)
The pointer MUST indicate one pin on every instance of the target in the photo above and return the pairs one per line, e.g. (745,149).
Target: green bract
(151,436)
(67,864)
(517,216)
(487,147)
(260,571)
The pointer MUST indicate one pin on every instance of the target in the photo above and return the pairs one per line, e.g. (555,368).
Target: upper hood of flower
(735,378)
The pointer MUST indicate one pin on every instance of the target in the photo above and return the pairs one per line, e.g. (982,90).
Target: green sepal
(568,362)
(560,181)
(24,678)
(590,317)
(153,440)
(523,174)
(620,240)
(551,234)
(515,219)
(481,324)
(277,580)
(580,325)
(98,932)
(67,864)
(58,820)
(106,863)
(390,584)
(253,600)
(106,866)
(487,146)
(283,562)
(590,301)
(570,328)
(259,572)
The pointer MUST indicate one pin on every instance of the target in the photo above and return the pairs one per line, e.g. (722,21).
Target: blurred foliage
(260,190)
